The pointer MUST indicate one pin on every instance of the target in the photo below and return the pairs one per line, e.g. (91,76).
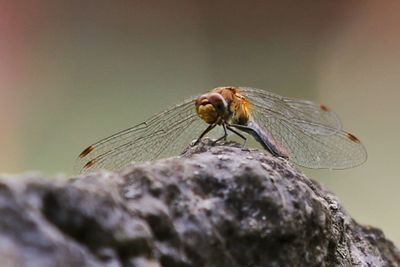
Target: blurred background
(73,72)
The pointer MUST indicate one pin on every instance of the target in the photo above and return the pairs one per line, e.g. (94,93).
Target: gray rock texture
(214,206)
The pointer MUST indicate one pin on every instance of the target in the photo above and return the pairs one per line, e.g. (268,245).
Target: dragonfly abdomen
(263,137)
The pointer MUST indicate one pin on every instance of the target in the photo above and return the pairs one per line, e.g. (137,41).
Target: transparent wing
(165,134)
(312,137)
(311,117)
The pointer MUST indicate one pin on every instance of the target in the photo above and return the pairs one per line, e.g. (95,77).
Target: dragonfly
(306,133)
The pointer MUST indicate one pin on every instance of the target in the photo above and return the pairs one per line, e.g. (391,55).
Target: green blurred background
(72,72)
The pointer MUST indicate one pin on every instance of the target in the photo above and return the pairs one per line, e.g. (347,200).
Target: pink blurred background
(72,72)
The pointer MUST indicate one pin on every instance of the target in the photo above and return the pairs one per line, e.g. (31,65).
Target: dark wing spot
(90,163)
(324,108)
(353,138)
(86,151)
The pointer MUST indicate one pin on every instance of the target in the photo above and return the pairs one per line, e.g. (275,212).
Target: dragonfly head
(212,108)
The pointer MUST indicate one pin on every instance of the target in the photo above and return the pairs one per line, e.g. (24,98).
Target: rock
(214,206)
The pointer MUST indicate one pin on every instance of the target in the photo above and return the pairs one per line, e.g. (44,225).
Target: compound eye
(218,102)
(219,105)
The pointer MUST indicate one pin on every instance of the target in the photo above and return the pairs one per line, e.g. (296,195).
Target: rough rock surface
(219,206)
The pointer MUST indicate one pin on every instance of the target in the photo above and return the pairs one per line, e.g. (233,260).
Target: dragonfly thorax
(238,105)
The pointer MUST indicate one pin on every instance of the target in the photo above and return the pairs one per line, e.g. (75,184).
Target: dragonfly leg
(237,133)
(225,132)
(209,128)
(222,137)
